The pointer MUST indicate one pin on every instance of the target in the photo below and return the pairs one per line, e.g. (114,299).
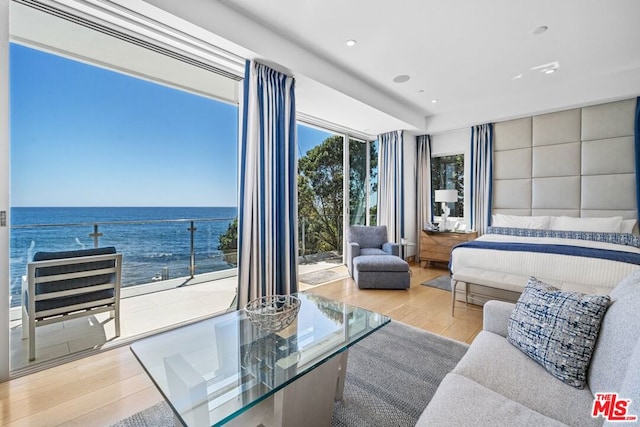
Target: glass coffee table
(225,370)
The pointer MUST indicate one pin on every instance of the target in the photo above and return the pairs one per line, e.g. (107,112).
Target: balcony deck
(141,314)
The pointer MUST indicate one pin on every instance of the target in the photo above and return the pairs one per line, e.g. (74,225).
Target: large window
(373,183)
(101,158)
(323,189)
(320,191)
(357,182)
(447,173)
(93,146)
(363,182)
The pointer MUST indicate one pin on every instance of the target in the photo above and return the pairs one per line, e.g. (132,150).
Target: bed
(589,255)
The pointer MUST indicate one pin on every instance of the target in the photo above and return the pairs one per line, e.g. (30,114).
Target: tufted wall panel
(556,160)
(515,164)
(556,128)
(606,156)
(577,162)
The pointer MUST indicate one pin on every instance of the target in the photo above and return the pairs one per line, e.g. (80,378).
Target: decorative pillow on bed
(557,329)
(516,221)
(603,225)
(628,226)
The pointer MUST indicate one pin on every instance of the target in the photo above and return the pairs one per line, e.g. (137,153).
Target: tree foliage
(321,195)
(447,172)
(229,240)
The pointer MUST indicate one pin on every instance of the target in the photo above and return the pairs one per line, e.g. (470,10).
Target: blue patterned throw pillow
(557,329)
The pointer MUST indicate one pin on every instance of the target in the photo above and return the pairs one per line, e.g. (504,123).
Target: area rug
(323,276)
(441,282)
(391,376)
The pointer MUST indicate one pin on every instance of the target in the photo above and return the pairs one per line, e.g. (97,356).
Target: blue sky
(85,136)
(309,137)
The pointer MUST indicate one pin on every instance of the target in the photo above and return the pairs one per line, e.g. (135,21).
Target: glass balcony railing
(153,250)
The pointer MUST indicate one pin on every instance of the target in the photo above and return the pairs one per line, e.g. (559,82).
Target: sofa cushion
(368,236)
(501,367)
(557,329)
(459,401)
(619,335)
(630,387)
(380,263)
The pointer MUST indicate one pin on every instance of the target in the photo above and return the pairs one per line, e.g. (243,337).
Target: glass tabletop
(218,368)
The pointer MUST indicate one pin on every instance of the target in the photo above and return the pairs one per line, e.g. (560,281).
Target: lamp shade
(447,196)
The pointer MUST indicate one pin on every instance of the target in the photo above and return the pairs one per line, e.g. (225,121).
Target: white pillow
(515,221)
(597,225)
(627,225)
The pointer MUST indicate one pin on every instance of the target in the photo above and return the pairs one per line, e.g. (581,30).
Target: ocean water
(149,245)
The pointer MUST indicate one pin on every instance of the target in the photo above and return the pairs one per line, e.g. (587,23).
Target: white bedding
(568,272)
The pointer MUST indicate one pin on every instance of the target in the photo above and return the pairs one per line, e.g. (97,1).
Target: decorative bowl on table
(273,313)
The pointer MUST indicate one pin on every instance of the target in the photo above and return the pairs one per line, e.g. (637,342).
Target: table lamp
(446,196)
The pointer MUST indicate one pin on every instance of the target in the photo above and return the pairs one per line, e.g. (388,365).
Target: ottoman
(381,272)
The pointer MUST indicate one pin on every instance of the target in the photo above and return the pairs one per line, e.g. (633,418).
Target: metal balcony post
(192,264)
(304,249)
(96,236)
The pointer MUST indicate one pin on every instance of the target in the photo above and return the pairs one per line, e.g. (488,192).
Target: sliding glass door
(358,171)
(109,154)
(324,186)
(363,182)
(320,193)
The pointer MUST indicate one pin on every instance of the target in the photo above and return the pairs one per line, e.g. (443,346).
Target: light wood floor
(104,388)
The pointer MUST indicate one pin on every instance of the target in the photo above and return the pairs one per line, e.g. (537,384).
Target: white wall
(4,189)
(455,142)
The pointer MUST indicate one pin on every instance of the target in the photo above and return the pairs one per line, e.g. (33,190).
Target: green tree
(447,172)
(358,191)
(320,196)
(229,240)
(320,191)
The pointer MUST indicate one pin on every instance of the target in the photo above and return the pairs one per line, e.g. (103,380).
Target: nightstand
(435,246)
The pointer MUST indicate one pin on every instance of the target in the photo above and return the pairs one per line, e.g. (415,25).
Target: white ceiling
(465,53)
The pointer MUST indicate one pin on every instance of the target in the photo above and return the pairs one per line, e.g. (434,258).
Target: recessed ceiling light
(547,68)
(401,78)
(519,76)
(434,101)
(351,42)
(421,91)
(541,29)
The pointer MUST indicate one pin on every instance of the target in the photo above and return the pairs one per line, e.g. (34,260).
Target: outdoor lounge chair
(61,286)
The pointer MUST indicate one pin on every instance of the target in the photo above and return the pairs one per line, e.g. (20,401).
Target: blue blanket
(612,255)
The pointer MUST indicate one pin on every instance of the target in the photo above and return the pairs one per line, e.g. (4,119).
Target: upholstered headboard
(578,162)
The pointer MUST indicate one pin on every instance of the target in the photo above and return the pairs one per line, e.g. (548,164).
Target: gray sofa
(495,384)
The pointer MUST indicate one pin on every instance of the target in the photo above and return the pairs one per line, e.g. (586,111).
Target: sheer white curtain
(423,187)
(481,176)
(391,185)
(268,217)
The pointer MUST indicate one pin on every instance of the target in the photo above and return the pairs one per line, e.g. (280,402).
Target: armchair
(368,240)
(61,286)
